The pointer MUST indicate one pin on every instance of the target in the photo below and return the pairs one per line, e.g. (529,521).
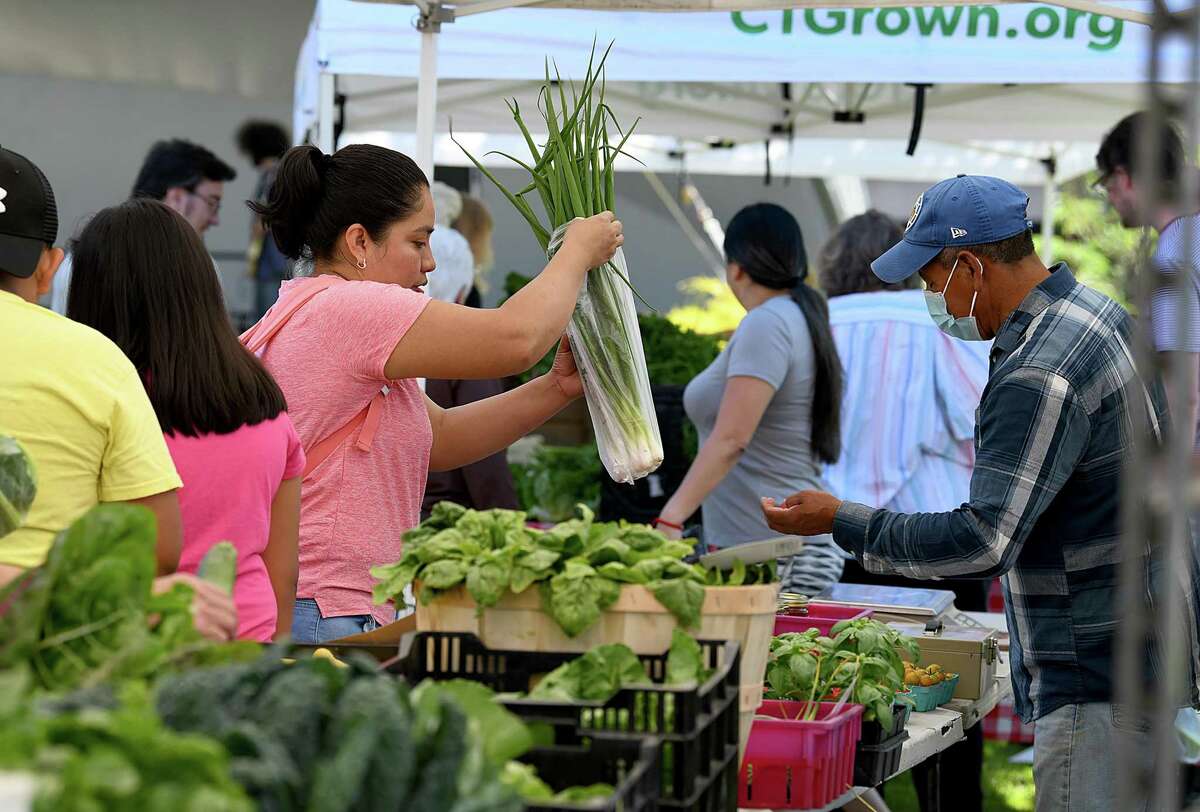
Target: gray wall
(658,252)
(90,138)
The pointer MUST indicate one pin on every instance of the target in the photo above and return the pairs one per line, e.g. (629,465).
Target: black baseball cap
(28,214)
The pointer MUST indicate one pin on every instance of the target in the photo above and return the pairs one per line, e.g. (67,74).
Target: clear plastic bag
(1187,727)
(607,345)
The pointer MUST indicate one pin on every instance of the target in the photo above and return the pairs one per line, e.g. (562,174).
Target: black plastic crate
(877,756)
(630,765)
(697,727)
(874,734)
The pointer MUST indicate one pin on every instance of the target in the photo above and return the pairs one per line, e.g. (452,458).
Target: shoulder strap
(368,419)
(256,338)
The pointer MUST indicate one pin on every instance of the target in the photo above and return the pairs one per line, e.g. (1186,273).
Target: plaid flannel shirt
(1054,425)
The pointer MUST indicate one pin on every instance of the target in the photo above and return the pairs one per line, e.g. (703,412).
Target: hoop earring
(362,264)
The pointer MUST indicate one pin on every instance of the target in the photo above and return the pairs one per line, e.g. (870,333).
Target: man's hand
(808,513)
(213,611)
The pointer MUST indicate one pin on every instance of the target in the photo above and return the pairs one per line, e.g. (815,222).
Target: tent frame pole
(430,25)
(1049,204)
(326,91)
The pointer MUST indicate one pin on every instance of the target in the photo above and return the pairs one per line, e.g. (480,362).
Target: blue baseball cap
(964,210)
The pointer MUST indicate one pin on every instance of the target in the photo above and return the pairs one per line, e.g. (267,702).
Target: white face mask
(965,328)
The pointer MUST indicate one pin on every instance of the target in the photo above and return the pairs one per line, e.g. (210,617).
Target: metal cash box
(969,652)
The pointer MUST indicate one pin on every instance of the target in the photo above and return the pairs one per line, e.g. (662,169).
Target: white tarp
(1042,78)
(1026,43)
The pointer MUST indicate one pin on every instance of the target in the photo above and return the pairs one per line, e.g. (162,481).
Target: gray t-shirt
(772,344)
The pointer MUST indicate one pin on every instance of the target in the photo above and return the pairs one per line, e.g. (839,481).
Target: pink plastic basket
(793,764)
(823,616)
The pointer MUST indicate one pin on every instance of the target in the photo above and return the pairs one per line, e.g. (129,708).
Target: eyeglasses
(1101,184)
(212,201)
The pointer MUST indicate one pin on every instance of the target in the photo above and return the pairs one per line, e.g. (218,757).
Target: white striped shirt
(908,412)
(1178,250)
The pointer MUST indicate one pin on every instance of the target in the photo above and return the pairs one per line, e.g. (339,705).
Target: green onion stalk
(571,175)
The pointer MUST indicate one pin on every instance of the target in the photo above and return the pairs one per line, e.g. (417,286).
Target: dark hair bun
(315,197)
(294,199)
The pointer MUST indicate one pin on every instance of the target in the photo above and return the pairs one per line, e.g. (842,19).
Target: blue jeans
(308,626)
(1074,756)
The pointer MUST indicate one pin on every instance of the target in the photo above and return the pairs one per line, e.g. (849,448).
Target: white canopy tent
(820,92)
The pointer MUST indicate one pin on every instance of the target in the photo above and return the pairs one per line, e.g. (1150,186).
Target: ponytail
(827,389)
(315,197)
(766,242)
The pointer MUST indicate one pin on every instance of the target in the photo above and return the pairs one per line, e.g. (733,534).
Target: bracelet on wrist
(660,521)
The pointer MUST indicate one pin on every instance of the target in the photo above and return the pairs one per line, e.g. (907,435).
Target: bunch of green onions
(572,176)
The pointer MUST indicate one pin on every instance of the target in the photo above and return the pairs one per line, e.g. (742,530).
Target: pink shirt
(329,360)
(229,483)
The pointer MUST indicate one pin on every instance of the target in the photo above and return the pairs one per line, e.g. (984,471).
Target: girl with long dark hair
(143,279)
(768,408)
(349,342)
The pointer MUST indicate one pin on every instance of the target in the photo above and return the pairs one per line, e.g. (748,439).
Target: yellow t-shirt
(74,401)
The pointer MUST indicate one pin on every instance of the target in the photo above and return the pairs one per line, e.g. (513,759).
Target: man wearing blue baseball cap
(1053,428)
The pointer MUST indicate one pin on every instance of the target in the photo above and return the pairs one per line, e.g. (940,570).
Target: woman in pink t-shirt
(354,338)
(142,277)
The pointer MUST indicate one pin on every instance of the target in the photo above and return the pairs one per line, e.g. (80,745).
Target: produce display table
(931,733)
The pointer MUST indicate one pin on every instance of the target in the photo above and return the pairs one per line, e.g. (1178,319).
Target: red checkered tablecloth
(1003,724)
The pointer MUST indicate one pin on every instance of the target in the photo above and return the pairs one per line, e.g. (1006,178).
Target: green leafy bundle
(557,479)
(84,617)
(598,674)
(860,663)
(674,355)
(579,565)
(116,757)
(18,485)
(524,780)
(316,736)
(572,175)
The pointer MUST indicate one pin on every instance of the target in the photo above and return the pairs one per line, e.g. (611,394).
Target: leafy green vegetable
(18,485)
(504,736)
(83,618)
(579,565)
(684,598)
(219,565)
(573,600)
(112,758)
(488,577)
(444,574)
(523,779)
(860,663)
(530,567)
(558,478)
(685,660)
(674,355)
(315,736)
(596,675)
(580,795)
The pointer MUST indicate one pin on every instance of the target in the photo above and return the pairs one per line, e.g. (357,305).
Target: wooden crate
(742,613)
